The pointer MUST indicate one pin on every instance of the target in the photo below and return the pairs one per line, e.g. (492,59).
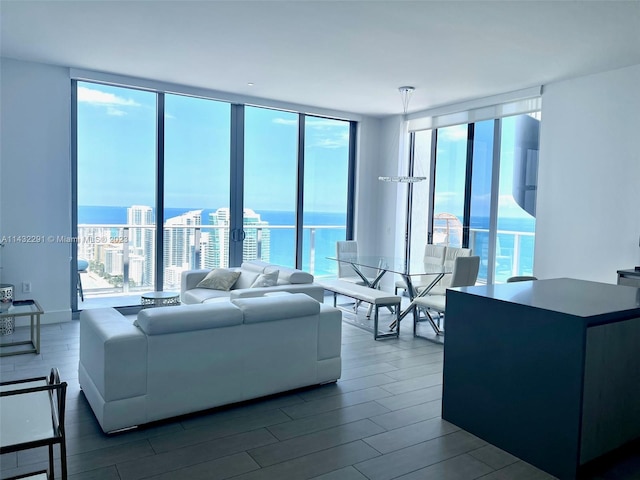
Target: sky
(451,164)
(117,150)
(116,156)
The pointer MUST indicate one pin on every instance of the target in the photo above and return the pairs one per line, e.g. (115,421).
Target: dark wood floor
(381,420)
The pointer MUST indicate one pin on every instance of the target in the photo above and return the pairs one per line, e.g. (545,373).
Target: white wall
(588,207)
(381,206)
(35,186)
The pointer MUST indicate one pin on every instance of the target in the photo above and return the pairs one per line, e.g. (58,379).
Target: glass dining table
(431,274)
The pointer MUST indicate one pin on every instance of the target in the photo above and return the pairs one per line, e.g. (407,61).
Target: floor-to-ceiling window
(171,182)
(516,222)
(480,198)
(326,158)
(482,189)
(116,165)
(450,177)
(270,184)
(196,185)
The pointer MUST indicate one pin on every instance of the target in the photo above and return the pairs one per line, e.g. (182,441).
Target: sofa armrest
(113,353)
(329,332)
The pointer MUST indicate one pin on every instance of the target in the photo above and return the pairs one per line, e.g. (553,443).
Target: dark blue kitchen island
(547,370)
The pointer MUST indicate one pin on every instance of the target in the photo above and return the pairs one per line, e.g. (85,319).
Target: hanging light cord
(405,94)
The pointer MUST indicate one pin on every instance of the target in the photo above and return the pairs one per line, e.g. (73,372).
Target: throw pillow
(219,279)
(266,279)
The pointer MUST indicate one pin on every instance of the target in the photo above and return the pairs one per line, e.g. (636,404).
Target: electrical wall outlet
(26,287)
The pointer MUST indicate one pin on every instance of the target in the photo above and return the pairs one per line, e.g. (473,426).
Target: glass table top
(394,264)
(17,308)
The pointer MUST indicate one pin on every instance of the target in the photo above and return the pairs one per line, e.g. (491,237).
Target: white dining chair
(346,250)
(433,255)
(464,274)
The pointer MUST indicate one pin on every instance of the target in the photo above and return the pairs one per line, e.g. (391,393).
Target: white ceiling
(342,55)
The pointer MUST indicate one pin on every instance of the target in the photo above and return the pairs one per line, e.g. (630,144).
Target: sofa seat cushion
(199,295)
(184,318)
(267,309)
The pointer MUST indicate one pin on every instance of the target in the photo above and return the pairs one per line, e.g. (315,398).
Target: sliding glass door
(196,186)
(270,185)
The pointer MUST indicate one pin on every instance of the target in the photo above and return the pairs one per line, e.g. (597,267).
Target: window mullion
(236,195)
(493,209)
(300,191)
(159,258)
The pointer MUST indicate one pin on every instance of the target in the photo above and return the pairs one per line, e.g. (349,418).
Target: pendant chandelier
(405,95)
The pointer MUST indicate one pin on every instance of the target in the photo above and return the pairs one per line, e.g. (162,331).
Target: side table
(32,413)
(17,309)
(159,299)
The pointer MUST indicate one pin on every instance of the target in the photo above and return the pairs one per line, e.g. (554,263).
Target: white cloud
(98,98)
(453,134)
(284,121)
(334,141)
(322,123)
(115,112)
(334,133)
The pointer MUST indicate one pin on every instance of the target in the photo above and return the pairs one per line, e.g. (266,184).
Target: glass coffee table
(159,299)
(16,309)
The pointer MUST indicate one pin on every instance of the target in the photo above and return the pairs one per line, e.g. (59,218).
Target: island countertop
(594,301)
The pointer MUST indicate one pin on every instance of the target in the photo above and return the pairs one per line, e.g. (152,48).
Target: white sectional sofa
(182,359)
(289,280)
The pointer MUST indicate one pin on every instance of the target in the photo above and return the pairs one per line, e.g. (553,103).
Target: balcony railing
(514,253)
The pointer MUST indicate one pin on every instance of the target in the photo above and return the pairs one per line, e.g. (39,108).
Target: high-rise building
(257,242)
(180,242)
(113,261)
(141,240)
(256,245)
(138,215)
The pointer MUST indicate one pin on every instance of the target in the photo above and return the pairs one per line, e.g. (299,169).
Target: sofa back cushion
(280,307)
(293,276)
(286,275)
(254,266)
(184,318)
(266,279)
(246,279)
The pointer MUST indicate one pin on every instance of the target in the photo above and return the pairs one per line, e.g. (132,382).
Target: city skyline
(184,248)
